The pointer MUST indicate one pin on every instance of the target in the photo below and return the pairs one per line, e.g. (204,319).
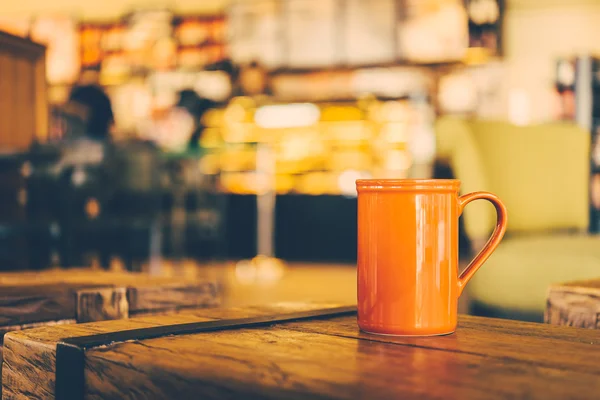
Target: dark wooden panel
(23,99)
(7,94)
(24,103)
(42,118)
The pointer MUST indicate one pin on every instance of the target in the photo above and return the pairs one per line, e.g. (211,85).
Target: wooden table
(85,295)
(251,285)
(574,304)
(323,357)
(30,299)
(296,281)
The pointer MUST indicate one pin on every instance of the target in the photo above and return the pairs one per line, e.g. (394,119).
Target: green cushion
(540,172)
(518,274)
(457,146)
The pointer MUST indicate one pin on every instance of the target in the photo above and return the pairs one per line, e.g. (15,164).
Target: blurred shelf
(201,45)
(17,43)
(351,68)
(340,100)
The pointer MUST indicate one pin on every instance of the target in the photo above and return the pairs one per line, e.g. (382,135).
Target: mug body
(408,256)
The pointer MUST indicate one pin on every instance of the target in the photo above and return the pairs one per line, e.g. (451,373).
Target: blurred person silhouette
(100,117)
(252,80)
(84,175)
(87,114)
(190,188)
(85,123)
(192,107)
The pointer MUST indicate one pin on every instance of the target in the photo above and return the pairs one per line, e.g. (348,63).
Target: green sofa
(541,173)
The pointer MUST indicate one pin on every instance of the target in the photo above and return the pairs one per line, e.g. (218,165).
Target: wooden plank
(19,46)
(30,356)
(70,352)
(29,299)
(574,304)
(503,339)
(38,303)
(77,275)
(50,296)
(6,329)
(485,358)
(587,286)
(8,90)
(86,276)
(42,115)
(280,363)
(6,73)
(57,275)
(52,334)
(102,304)
(24,104)
(168,296)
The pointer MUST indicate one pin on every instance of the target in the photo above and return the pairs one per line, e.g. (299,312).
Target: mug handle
(494,240)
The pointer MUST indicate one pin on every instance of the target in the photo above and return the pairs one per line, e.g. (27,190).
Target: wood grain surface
(574,304)
(30,356)
(57,296)
(103,304)
(150,296)
(37,302)
(6,329)
(24,102)
(27,297)
(485,358)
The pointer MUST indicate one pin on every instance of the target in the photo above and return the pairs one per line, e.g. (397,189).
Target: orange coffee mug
(408,281)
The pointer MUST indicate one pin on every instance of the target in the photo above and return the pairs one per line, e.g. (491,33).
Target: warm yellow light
(347,181)
(397,160)
(245,272)
(260,270)
(395,132)
(394,111)
(477,56)
(234,113)
(341,113)
(211,138)
(209,164)
(287,115)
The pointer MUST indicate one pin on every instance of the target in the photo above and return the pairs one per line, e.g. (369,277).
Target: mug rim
(408,184)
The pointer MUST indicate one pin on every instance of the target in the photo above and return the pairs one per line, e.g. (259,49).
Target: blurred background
(176,137)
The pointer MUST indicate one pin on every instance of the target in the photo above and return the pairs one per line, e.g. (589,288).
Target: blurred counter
(307,228)
(308,155)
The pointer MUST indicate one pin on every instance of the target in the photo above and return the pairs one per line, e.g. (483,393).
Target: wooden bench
(56,297)
(297,351)
(574,304)
(84,295)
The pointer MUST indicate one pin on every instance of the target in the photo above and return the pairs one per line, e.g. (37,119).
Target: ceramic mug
(408,281)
